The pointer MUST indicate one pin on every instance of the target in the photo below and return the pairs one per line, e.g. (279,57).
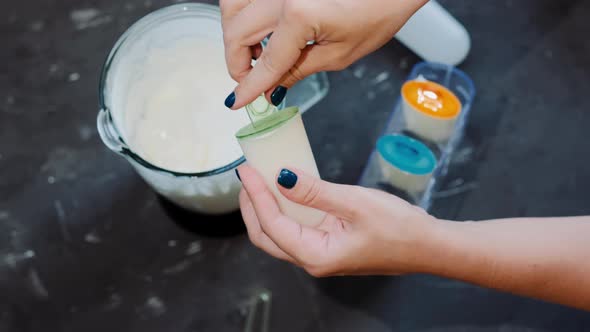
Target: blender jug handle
(107,132)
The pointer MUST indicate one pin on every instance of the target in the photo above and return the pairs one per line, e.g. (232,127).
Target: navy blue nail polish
(238,175)
(277,96)
(287,179)
(230,100)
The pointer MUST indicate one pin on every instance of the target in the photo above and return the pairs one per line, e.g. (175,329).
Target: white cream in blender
(175,117)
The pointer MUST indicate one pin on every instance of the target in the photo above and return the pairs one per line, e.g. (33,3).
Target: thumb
(342,201)
(312,60)
(284,48)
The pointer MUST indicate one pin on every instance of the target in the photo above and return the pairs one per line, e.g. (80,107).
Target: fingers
(256,51)
(287,58)
(230,8)
(316,58)
(284,49)
(255,232)
(245,29)
(260,196)
(299,242)
(309,62)
(313,59)
(339,200)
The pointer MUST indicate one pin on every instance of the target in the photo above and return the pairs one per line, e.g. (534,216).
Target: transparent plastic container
(264,142)
(376,175)
(213,191)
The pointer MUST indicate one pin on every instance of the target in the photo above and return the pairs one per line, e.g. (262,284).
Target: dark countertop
(85,245)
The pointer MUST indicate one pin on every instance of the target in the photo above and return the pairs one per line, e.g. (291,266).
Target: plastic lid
(268,123)
(407,154)
(431,98)
(259,108)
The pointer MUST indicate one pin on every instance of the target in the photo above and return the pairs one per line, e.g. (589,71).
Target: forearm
(544,258)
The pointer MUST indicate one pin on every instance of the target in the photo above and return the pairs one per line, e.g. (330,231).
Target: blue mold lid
(407,154)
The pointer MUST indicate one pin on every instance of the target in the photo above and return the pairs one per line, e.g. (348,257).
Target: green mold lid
(268,123)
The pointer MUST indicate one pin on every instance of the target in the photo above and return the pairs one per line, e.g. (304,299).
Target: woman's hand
(371,232)
(342,31)
(366,231)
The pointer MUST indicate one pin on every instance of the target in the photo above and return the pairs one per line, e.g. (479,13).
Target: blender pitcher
(212,191)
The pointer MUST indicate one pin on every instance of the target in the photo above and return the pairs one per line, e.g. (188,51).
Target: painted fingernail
(238,175)
(277,96)
(230,100)
(287,179)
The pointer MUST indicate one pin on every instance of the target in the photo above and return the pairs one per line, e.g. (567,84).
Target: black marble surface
(85,245)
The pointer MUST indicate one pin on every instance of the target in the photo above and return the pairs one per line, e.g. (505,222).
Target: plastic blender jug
(210,191)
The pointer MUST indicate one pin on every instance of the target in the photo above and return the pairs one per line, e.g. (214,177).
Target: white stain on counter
(92,237)
(382,77)
(403,63)
(548,54)
(155,306)
(459,187)
(37,26)
(62,164)
(83,16)
(333,169)
(85,132)
(37,284)
(463,155)
(359,71)
(193,248)
(73,77)
(53,68)
(13,259)
(114,301)
(88,18)
(61,220)
(177,268)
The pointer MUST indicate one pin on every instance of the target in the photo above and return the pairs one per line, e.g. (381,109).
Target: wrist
(454,250)
(434,247)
